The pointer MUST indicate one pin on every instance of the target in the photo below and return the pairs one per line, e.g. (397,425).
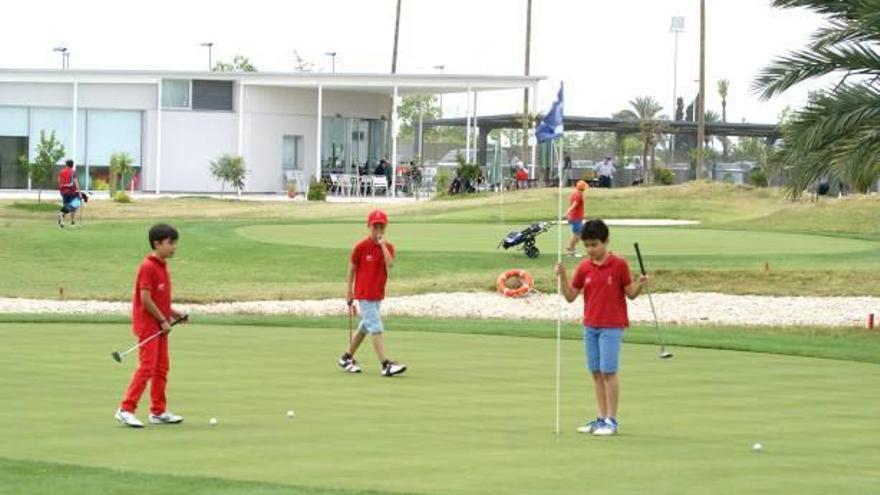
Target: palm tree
(723,91)
(837,134)
(645,110)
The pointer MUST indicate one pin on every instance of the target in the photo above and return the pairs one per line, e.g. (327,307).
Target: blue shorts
(371,320)
(603,349)
(576,226)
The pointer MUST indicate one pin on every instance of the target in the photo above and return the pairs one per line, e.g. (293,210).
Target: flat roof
(406,83)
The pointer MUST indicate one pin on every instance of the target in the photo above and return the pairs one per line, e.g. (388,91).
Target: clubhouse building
(288,127)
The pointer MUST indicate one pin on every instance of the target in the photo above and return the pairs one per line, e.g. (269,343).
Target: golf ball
(757,447)
(290,414)
(213,422)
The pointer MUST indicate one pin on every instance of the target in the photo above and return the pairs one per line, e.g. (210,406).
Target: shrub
(664,176)
(231,169)
(758,178)
(443,181)
(100,185)
(121,197)
(317,191)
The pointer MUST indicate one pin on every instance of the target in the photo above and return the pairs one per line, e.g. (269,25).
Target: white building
(173,124)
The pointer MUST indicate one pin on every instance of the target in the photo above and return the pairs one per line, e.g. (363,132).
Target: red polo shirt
(370,271)
(577,200)
(65,181)
(153,276)
(604,295)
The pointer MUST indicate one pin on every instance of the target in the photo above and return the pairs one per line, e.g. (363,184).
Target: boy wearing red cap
(575,215)
(367,274)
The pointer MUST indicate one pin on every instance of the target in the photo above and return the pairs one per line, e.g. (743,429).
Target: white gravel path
(684,307)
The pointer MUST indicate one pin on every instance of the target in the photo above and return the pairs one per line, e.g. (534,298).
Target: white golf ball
(757,447)
(290,414)
(213,422)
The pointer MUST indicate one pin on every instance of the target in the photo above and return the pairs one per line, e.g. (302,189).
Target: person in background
(68,186)
(605,171)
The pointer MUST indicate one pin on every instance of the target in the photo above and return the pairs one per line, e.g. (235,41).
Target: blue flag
(551,126)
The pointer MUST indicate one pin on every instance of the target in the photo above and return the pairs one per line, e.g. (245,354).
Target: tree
(49,152)
(300,64)
(240,63)
(645,110)
(409,110)
(723,91)
(231,169)
(120,166)
(837,133)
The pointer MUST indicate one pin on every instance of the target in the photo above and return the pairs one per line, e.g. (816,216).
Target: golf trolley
(526,238)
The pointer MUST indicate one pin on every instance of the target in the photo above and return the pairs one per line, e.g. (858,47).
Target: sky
(606,51)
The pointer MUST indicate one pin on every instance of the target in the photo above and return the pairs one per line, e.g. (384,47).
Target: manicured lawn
(473,415)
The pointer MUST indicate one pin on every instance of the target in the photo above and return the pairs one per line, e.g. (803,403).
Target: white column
(394,142)
(467,146)
(75,147)
(240,151)
(534,111)
(318,136)
(476,128)
(159,137)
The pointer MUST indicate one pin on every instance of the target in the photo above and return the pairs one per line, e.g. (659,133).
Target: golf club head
(116,356)
(665,355)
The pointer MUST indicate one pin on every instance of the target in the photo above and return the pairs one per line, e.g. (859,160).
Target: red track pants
(153,367)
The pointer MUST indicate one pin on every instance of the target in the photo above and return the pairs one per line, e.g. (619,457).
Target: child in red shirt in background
(68,186)
(367,274)
(606,283)
(151,313)
(575,215)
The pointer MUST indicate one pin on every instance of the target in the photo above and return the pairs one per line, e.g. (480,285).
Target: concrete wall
(190,141)
(117,96)
(36,94)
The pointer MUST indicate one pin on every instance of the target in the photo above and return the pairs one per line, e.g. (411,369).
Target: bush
(231,169)
(121,197)
(317,191)
(664,176)
(100,185)
(443,181)
(758,178)
(728,178)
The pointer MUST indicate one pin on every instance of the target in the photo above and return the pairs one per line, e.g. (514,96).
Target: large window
(13,121)
(113,131)
(348,144)
(176,93)
(290,153)
(212,95)
(59,120)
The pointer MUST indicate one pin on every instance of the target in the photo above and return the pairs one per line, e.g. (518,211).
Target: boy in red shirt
(367,274)
(151,313)
(68,186)
(575,215)
(606,282)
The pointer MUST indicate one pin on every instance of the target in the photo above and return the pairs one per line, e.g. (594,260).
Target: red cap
(377,216)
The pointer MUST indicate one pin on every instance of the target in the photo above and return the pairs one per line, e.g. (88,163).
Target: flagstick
(559,295)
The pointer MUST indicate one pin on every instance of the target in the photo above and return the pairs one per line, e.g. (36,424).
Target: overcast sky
(606,51)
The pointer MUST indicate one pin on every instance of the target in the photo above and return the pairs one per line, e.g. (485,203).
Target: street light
(332,56)
(440,68)
(209,45)
(65,56)
(676,28)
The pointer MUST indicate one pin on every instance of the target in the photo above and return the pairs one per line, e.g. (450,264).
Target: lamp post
(440,68)
(676,28)
(65,60)
(209,45)
(332,56)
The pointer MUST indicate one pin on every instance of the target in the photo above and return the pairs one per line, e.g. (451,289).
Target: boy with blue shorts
(606,282)
(575,215)
(367,274)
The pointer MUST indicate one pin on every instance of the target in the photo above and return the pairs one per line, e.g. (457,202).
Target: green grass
(233,250)
(474,415)
(35,207)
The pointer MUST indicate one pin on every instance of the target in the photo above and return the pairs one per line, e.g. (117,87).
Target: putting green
(473,415)
(658,241)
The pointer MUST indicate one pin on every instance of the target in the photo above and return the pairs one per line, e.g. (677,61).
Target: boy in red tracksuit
(575,215)
(151,313)
(367,274)
(68,186)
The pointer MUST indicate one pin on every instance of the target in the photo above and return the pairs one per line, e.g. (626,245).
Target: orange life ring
(525,286)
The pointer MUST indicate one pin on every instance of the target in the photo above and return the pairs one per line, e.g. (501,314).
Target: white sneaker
(390,368)
(166,418)
(591,426)
(128,419)
(606,429)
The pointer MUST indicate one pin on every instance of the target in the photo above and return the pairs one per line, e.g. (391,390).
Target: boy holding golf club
(606,282)
(367,274)
(152,314)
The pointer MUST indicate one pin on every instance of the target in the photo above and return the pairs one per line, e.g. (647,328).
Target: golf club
(663,353)
(117,356)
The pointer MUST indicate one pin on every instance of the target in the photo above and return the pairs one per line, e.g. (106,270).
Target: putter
(664,354)
(117,356)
